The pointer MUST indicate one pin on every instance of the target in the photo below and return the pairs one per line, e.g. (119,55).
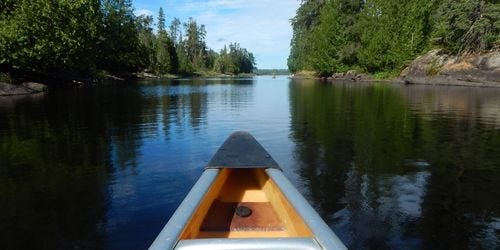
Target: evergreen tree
(175,31)
(393,32)
(236,60)
(185,66)
(385,35)
(465,26)
(166,56)
(120,48)
(147,40)
(195,45)
(67,38)
(161,21)
(303,23)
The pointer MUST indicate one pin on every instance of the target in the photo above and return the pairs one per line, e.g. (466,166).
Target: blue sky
(261,26)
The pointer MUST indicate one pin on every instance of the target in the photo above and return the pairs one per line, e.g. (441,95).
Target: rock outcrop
(439,68)
(350,76)
(26,88)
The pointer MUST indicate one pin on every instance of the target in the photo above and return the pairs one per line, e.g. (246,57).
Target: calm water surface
(387,166)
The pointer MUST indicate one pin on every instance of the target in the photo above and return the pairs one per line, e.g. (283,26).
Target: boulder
(350,76)
(36,87)
(439,68)
(7,89)
(493,62)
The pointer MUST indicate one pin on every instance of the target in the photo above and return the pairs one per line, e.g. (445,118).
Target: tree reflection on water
(390,172)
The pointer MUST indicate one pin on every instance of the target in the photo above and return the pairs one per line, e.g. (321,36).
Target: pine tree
(120,49)
(166,56)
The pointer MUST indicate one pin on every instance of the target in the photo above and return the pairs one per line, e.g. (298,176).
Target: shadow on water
(387,172)
(58,154)
(55,161)
(70,161)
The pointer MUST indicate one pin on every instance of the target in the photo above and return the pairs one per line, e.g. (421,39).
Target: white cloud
(145,12)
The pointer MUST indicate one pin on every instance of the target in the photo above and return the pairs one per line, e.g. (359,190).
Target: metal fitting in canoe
(243,201)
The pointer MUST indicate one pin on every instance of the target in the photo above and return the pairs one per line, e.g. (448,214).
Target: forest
(89,38)
(381,37)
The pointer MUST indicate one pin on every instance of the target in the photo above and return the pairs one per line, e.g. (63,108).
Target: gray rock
(350,76)
(439,68)
(493,62)
(149,75)
(37,87)
(7,89)
(114,78)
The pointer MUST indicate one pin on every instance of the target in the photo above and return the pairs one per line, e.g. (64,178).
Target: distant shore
(146,75)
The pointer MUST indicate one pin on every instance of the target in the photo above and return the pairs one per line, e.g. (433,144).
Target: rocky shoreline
(340,77)
(26,88)
(433,68)
(439,68)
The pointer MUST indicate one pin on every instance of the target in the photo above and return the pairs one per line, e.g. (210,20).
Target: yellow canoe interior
(271,216)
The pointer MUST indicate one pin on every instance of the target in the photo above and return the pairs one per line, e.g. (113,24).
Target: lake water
(386,166)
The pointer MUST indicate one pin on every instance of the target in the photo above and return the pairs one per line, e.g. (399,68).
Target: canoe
(243,201)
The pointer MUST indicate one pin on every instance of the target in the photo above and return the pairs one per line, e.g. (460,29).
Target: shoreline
(435,67)
(31,84)
(144,75)
(430,81)
(24,89)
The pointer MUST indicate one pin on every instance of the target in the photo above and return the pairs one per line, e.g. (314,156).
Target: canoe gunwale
(250,244)
(171,232)
(169,237)
(321,231)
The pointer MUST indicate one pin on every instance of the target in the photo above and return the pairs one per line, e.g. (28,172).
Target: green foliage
(161,21)
(175,31)
(84,37)
(120,50)
(303,23)
(224,63)
(147,40)
(185,66)
(195,45)
(385,35)
(383,75)
(393,33)
(272,71)
(467,26)
(5,77)
(326,45)
(47,36)
(236,60)
(166,57)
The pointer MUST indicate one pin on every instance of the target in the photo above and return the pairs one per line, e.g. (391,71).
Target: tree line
(383,36)
(88,37)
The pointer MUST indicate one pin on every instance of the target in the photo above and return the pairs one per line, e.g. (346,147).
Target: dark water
(386,166)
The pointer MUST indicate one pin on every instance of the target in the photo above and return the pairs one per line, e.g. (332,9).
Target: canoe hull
(277,215)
